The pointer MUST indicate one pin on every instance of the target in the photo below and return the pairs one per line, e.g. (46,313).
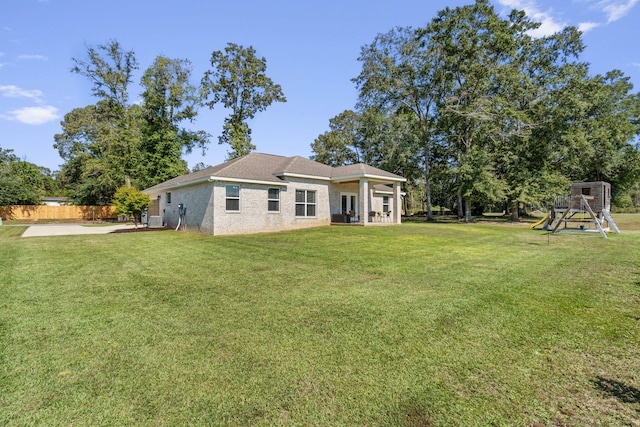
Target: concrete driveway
(40,230)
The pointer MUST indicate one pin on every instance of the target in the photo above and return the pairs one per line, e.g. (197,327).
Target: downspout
(213,206)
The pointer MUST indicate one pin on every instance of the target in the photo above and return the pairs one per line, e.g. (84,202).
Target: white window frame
(306,203)
(271,200)
(228,198)
(385,206)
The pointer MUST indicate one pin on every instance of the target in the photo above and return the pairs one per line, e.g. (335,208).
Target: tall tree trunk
(467,210)
(515,217)
(427,181)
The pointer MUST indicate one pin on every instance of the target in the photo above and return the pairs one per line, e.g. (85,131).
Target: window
(273,202)
(168,198)
(233,198)
(305,203)
(385,203)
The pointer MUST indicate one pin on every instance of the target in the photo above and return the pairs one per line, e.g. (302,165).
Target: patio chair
(353,217)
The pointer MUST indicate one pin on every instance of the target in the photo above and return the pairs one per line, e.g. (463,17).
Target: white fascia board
(390,193)
(402,193)
(368,176)
(247,181)
(217,178)
(302,176)
(180,184)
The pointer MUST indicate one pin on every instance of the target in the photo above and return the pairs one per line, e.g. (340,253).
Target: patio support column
(397,201)
(364,194)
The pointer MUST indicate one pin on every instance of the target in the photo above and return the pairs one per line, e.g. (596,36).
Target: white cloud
(12,91)
(33,115)
(616,9)
(548,23)
(588,26)
(36,57)
(613,10)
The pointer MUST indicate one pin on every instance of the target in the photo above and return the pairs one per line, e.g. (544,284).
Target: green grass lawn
(422,324)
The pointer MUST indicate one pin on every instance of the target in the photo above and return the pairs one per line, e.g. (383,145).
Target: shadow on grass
(414,415)
(623,392)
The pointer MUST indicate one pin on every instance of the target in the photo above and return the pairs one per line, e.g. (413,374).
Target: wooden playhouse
(586,209)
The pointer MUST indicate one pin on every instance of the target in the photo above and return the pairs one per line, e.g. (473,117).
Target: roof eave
(303,176)
(368,176)
(177,185)
(213,178)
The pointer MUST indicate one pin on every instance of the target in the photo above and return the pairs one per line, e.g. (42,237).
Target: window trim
(270,200)
(385,206)
(168,197)
(306,203)
(227,198)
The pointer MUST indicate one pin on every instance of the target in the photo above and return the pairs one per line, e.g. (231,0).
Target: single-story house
(263,192)
(56,201)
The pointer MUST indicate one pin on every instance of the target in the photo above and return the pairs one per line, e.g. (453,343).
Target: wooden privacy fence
(39,212)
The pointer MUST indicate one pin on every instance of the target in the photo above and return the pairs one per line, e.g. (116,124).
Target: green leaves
(495,114)
(239,82)
(114,143)
(21,183)
(110,69)
(130,201)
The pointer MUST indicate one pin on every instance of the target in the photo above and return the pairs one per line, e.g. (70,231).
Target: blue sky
(311,49)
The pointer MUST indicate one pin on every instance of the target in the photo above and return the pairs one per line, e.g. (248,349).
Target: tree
(21,183)
(238,81)
(114,143)
(537,73)
(95,159)
(168,100)
(339,146)
(495,115)
(602,120)
(401,73)
(131,201)
(110,69)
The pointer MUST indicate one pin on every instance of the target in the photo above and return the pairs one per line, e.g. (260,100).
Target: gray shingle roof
(361,169)
(272,168)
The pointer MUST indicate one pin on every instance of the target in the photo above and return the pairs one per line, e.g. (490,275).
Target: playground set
(587,209)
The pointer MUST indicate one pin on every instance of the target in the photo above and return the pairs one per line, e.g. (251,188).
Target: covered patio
(366,196)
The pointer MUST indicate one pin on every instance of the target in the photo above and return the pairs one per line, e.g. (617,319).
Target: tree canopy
(114,143)
(23,183)
(237,80)
(131,202)
(492,116)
